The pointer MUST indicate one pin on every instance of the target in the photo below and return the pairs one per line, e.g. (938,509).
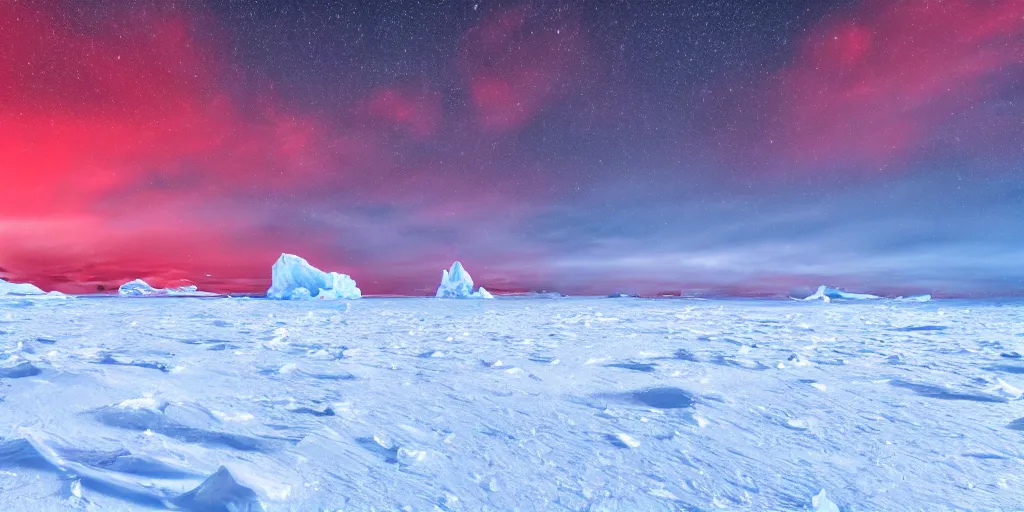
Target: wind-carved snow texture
(140,288)
(571,404)
(457,284)
(295,279)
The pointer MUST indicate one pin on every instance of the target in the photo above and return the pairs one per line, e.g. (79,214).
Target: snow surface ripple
(571,404)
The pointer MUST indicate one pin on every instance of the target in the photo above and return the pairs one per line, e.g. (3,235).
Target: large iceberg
(7,288)
(457,284)
(827,294)
(140,288)
(294,278)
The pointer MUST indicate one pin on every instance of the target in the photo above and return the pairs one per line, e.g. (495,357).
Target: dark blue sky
(708,147)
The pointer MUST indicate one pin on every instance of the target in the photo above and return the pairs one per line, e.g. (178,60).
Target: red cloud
(113,140)
(516,62)
(415,112)
(86,113)
(877,85)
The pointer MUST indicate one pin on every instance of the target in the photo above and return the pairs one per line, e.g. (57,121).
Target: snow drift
(457,284)
(140,288)
(294,278)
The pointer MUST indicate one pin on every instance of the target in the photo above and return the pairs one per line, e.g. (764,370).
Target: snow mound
(7,288)
(827,294)
(294,278)
(140,288)
(457,284)
(915,298)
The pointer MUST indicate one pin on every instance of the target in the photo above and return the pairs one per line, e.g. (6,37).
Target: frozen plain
(510,404)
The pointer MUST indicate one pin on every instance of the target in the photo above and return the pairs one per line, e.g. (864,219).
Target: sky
(687,146)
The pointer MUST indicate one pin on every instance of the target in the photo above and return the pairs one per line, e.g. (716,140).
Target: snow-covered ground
(511,404)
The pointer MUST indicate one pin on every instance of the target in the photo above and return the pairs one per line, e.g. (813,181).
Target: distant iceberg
(457,284)
(140,288)
(293,278)
(26,291)
(7,288)
(827,294)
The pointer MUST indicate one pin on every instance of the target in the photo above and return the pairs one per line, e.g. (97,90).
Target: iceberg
(7,288)
(293,278)
(915,298)
(827,293)
(140,288)
(456,283)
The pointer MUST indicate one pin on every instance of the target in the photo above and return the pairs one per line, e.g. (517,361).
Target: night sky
(588,147)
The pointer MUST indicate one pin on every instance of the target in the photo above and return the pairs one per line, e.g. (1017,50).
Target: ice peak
(457,283)
(221,491)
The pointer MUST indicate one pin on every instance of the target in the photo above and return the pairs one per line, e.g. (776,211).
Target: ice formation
(221,491)
(821,503)
(140,288)
(827,293)
(7,288)
(294,278)
(457,283)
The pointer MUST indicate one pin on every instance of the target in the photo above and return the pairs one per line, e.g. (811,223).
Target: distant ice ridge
(294,278)
(140,288)
(457,284)
(827,294)
(7,288)
(27,290)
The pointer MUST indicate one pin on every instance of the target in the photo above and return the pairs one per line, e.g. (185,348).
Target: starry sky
(710,147)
